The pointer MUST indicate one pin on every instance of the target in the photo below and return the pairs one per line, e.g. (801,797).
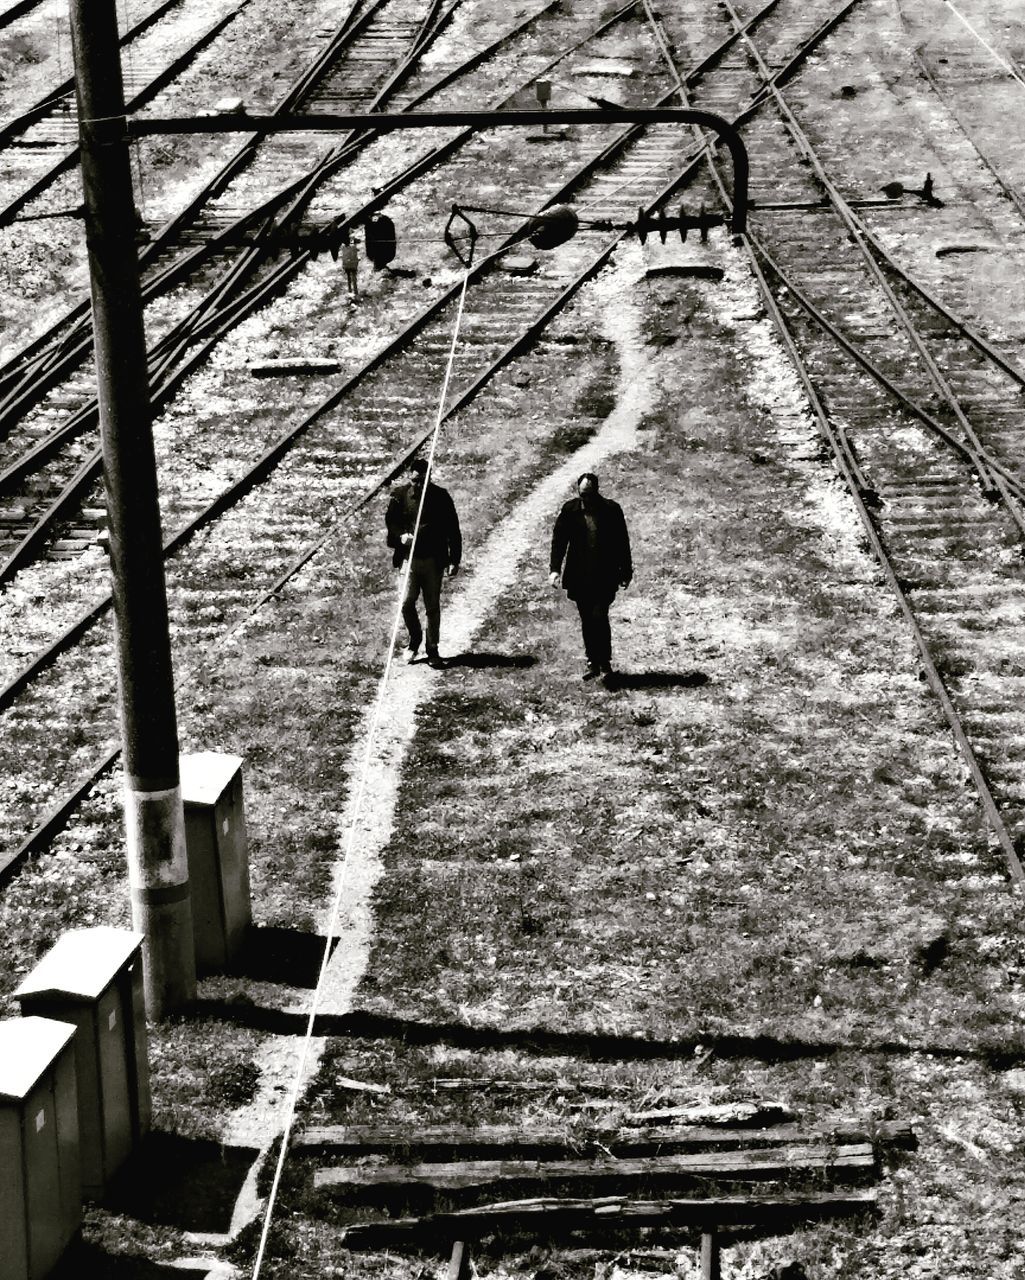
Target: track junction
(782,859)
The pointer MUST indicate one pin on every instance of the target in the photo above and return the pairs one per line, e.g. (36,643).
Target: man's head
(418,472)
(587,486)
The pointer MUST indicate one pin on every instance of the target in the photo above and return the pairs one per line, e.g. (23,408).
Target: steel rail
(170,378)
(978,340)
(871,368)
(863,496)
(1009,191)
(38,534)
(936,375)
(56,818)
(14,405)
(783,74)
(188,333)
(87,416)
(996,482)
(18,124)
(37,348)
(872,533)
(36,381)
(838,439)
(252,258)
(51,357)
(167,234)
(169,73)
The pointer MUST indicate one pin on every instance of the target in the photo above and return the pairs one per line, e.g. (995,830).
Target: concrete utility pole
(154,818)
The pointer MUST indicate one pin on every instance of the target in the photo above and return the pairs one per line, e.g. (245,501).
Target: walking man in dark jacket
(591,554)
(438,547)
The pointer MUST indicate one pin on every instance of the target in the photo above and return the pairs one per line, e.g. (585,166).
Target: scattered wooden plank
(471,1084)
(773,1162)
(359,1086)
(459,1262)
(727,1113)
(297,366)
(711,1268)
(605,67)
(544,1217)
(460,1141)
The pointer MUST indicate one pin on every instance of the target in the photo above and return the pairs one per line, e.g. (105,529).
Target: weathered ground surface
(762,830)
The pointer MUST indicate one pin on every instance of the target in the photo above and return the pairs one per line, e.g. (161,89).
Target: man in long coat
(591,556)
(438,547)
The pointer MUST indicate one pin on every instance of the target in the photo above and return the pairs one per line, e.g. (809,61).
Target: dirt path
(490,571)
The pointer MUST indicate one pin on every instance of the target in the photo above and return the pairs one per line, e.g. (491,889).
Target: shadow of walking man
(656,680)
(480,661)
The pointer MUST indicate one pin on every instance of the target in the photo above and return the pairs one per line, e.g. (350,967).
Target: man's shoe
(606,669)
(410,655)
(590,672)
(434,659)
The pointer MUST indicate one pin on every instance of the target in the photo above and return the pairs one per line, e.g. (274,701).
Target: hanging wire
(1007,66)
(57,42)
(357,805)
(135,144)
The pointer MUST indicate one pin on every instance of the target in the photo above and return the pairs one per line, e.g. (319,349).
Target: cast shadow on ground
(86,1259)
(360,1024)
(517,661)
(286,956)
(190,1183)
(656,680)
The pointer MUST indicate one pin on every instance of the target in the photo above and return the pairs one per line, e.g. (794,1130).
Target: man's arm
(626,567)
(560,541)
(394,520)
(455,536)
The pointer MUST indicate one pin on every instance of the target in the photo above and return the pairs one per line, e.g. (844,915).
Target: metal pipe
(154,817)
(385,122)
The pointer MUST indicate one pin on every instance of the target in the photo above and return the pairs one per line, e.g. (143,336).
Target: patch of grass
(597,400)
(18,51)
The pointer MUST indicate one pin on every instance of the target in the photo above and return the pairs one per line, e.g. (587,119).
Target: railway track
(212,278)
(51,120)
(509,315)
(49,126)
(72,480)
(15,11)
(969,82)
(931,439)
(331,460)
(403,340)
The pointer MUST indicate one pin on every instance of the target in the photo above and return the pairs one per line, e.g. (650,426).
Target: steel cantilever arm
(385,122)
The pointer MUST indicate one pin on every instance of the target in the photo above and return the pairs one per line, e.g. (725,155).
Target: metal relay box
(218,852)
(92,978)
(40,1191)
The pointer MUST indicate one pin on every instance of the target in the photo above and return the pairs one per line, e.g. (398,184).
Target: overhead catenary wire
(136,150)
(357,803)
(1007,66)
(57,41)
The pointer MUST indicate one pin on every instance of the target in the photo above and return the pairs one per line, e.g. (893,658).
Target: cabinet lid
(206,774)
(82,963)
(27,1048)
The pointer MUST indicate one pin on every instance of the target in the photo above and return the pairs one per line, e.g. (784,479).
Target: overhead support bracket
(387,122)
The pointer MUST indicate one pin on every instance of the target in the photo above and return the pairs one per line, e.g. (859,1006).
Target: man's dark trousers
(424,577)
(593,608)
